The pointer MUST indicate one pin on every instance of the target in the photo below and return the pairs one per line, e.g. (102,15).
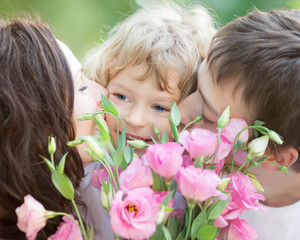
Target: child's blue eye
(121,97)
(159,108)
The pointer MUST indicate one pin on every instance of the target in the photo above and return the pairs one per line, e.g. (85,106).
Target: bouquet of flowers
(185,188)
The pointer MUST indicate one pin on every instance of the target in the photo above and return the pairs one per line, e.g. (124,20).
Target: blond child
(148,61)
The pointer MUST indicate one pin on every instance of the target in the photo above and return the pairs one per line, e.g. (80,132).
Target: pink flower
(199,142)
(32,217)
(137,174)
(198,185)
(100,175)
(187,161)
(67,230)
(234,126)
(240,156)
(232,211)
(165,159)
(160,196)
(134,216)
(238,229)
(243,192)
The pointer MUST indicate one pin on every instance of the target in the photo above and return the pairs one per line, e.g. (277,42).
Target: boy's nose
(190,107)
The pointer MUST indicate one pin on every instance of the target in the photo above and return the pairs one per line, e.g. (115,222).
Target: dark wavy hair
(36,101)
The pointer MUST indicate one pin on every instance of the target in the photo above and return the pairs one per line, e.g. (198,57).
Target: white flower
(257,147)
(275,137)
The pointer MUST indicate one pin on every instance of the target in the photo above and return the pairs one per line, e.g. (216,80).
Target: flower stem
(191,207)
(80,220)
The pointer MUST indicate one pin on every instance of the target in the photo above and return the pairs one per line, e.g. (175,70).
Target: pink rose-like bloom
(135,216)
(187,161)
(137,174)
(165,159)
(232,211)
(244,193)
(199,142)
(100,175)
(238,229)
(198,185)
(67,230)
(32,217)
(234,126)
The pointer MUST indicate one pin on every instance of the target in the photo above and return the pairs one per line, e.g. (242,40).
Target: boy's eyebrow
(209,106)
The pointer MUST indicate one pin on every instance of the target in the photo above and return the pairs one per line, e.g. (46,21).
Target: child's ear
(284,158)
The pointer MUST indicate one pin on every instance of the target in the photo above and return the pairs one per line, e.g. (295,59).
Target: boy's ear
(284,158)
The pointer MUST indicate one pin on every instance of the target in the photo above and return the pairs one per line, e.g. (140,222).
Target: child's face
(141,103)
(211,100)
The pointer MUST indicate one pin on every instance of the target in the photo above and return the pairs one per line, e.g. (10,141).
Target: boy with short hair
(148,61)
(254,66)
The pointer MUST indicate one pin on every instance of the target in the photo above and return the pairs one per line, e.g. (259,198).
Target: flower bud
(87,116)
(257,147)
(94,147)
(198,118)
(138,143)
(103,128)
(75,142)
(106,197)
(255,182)
(223,185)
(224,119)
(275,137)
(52,145)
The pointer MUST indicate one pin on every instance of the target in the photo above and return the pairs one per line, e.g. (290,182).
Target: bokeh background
(83,23)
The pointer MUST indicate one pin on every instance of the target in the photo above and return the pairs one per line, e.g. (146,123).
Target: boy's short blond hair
(166,37)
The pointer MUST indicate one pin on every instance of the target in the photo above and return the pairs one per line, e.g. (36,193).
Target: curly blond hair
(167,37)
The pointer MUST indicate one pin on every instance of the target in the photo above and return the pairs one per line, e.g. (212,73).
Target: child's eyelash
(83,88)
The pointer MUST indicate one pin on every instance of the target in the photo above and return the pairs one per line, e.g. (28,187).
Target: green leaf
(175,114)
(118,157)
(128,154)
(157,182)
(199,222)
(174,130)
(108,158)
(181,235)
(61,165)
(158,233)
(63,184)
(217,208)
(207,232)
(258,123)
(106,186)
(165,137)
(167,199)
(156,131)
(173,227)
(122,139)
(108,106)
(49,164)
(166,233)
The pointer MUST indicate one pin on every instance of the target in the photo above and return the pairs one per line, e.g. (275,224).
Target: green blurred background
(82,23)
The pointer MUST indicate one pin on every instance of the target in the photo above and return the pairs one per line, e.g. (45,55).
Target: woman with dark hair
(36,101)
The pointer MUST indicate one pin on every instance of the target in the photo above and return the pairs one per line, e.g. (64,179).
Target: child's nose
(136,117)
